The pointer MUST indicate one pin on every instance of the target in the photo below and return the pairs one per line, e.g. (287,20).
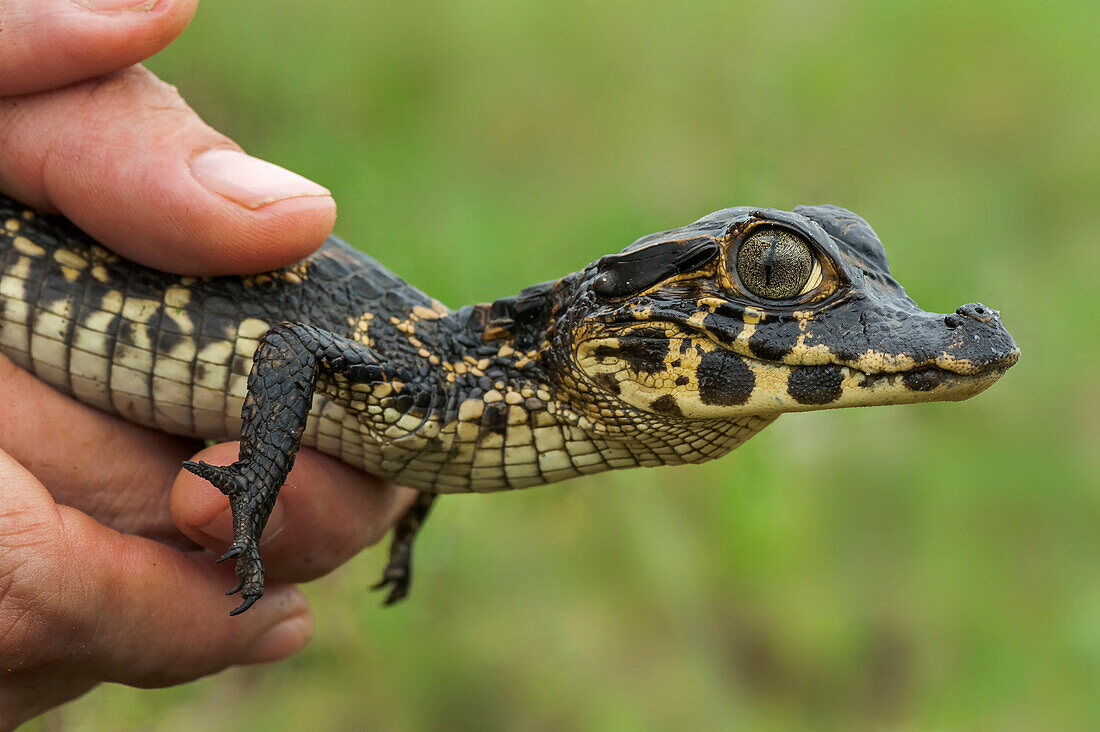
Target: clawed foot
(245,549)
(397,576)
(250,569)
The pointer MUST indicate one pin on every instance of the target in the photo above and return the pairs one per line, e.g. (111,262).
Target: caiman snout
(977,336)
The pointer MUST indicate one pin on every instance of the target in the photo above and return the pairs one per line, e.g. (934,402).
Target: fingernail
(284,639)
(138,5)
(249,181)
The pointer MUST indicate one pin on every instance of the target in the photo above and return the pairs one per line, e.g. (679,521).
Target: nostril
(977,311)
(952,320)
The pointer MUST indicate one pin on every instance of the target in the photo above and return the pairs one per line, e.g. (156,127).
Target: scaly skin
(672,351)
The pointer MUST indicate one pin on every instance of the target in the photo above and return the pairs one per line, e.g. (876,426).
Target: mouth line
(920,377)
(925,377)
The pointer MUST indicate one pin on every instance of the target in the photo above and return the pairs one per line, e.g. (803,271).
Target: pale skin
(103,576)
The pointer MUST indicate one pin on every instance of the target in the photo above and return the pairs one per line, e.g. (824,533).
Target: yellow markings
(218,352)
(246,347)
(28,247)
(69,258)
(28,215)
(139,310)
(470,410)
(555,460)
(13,288)
(177,297)
(516,415)
(492,396)
(874,362)
(424,313)
(112,302)
(12,225)
(816,355)
(253,328)
(99,272)
(98,322)
(745,334)
(697,318)
(752,315)
(291,278)
(175,371)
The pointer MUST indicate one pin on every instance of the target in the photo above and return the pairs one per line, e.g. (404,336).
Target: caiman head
(756,312)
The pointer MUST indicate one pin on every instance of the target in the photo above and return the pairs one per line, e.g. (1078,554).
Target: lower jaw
(927,384)
(860,389)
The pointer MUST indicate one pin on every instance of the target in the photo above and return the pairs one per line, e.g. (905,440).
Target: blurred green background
(924,567)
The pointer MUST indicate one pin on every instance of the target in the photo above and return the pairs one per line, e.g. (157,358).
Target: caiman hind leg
(289,361)
(398,572)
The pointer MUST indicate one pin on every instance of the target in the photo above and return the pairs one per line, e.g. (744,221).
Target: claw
(397,594)
(239,586)
(249,601)
(234,551)
(391,576)
(397,579)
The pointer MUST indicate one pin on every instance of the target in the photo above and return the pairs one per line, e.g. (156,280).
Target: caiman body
(675,350)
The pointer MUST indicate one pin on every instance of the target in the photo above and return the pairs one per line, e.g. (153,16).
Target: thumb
(86,600)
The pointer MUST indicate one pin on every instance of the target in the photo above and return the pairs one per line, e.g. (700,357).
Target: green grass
(927,567)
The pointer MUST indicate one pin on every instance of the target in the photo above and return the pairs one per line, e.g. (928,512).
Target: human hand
(99,577)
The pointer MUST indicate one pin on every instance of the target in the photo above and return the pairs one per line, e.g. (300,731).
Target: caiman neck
(517,356)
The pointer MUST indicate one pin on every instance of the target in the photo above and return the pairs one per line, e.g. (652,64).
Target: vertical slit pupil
(774,264)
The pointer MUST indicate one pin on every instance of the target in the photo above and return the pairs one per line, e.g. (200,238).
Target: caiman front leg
(288,363)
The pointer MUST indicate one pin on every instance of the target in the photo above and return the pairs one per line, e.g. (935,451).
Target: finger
(131,164)
(326,513)
(66,446)
(50,43)
(123,608)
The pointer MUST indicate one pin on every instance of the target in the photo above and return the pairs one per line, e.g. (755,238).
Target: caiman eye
(775,264)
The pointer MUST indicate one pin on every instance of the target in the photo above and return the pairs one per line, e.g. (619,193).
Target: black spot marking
(923,380)
(725,379)
(125,333)
(495,417)
(723,329)
(666,404)
(145,286)
(168,340)
(774,341)
(644,355)
(815,384)
(682,380)
(608,382)
(241,365)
